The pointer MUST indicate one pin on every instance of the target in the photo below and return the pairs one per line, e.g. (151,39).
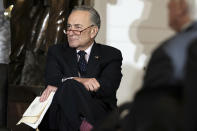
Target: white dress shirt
(88,51)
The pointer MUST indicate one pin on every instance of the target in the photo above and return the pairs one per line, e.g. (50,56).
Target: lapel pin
(96,57)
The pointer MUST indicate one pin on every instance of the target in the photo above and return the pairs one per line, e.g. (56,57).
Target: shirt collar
(88,50)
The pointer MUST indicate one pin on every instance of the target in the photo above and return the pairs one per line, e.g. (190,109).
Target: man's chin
(72,45)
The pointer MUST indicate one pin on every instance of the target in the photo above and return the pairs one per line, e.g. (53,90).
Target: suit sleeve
(110,77)
(53,74)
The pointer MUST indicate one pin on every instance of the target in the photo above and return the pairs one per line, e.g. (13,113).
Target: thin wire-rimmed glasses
(76,32)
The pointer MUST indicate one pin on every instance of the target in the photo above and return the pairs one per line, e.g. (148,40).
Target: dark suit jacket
(104,64)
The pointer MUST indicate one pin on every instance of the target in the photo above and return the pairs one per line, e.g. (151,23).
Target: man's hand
(91,84)
(47,92)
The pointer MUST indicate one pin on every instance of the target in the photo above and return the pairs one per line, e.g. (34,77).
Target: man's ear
(94,31)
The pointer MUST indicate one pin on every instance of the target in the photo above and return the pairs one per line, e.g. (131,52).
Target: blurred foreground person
(166,101)
(161,104)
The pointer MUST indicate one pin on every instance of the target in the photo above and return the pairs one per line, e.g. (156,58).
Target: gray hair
(95,17)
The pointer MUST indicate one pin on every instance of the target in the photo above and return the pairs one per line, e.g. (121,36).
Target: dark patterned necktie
(82,63)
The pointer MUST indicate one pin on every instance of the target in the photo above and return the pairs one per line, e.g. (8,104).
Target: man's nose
(70,32)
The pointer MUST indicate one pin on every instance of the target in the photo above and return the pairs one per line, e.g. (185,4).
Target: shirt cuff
(64,79)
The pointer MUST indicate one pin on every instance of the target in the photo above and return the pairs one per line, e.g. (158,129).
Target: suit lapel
(94,60)
(70,57)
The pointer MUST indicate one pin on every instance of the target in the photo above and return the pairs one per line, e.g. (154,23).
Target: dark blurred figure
(166,66)
(166,101)
(4,60)
(160,104)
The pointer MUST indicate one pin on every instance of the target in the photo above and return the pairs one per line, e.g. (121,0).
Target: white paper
(36,109)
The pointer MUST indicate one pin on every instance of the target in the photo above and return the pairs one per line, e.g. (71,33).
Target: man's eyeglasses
(77,32)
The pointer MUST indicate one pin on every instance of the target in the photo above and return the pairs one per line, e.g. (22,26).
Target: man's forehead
(79,14)
(79,17)
(75,25)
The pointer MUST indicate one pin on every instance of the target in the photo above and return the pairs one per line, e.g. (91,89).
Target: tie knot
(81,53)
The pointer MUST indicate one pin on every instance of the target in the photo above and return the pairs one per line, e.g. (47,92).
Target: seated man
(85,76)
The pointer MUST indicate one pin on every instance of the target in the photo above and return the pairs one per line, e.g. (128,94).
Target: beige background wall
(135,27)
